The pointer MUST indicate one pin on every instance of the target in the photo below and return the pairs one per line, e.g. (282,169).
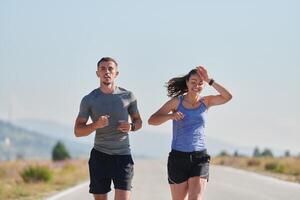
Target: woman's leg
(179,191)
(196,187)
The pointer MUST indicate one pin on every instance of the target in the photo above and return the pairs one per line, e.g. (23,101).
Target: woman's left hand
(202,72)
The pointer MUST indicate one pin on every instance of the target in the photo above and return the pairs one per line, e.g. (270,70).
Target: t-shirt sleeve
(132,108)
(84,110)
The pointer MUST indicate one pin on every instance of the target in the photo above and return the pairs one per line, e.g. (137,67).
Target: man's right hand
(102,122)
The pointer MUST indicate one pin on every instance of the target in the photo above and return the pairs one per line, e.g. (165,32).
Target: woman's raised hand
(202,72)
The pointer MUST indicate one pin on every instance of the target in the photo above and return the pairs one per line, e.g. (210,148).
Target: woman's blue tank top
(188,133)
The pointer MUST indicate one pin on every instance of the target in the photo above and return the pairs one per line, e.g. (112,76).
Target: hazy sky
(49,50)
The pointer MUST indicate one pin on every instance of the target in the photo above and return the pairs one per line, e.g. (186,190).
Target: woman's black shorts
(184,165)
(105,168)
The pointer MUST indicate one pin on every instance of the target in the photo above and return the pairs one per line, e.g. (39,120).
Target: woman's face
(195,83)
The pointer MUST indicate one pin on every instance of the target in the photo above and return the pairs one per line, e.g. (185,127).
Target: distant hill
(151,144)
(17,142)
(144,143)
(53,129)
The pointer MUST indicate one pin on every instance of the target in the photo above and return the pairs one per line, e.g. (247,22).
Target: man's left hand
(124,126)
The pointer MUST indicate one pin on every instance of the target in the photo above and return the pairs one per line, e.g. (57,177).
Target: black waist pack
(196,156)
(200,158)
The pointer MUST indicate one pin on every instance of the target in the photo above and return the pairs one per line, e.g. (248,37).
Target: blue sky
(49,51)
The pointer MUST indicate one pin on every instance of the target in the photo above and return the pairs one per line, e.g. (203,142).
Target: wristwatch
(132,126)
(211,82)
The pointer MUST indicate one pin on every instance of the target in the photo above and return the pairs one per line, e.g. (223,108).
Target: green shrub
(271,166)
(60,152)
(222,162)
(2,172)
(36,174)
(253,162)
(274,167)
(224,153)
(296,173)
(267,153)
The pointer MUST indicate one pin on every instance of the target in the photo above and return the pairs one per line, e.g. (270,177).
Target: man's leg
(122,194)
(100,167)
(100,196)
(123,175)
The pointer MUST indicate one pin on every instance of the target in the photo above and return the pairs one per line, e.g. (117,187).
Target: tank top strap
(180,100)
(202,99)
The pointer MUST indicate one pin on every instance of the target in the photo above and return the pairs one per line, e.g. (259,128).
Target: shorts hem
(99,192)
(171,182)
(122,188)
(202,176)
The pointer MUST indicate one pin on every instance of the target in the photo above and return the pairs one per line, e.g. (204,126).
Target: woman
(188,162)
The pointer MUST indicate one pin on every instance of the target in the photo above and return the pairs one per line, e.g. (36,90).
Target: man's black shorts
(184,165)
(105,168)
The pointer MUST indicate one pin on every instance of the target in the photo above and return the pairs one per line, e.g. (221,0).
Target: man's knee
(122,194)
(100,196)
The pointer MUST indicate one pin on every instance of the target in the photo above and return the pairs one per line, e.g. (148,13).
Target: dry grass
(282,168)
(72,172)
(65,174)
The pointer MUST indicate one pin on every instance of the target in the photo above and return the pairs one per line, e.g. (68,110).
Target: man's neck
(107,88)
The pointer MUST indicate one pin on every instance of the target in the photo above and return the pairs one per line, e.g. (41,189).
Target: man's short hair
(105,59)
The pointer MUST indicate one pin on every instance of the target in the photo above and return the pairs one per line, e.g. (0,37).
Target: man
(109,107)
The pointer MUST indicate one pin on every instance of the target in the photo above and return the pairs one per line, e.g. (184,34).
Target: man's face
(107,72)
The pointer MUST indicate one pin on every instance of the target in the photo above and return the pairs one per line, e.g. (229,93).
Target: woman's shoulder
(175,99)
(174,102)
(206,99)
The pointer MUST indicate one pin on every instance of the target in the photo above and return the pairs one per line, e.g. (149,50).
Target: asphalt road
(150,182)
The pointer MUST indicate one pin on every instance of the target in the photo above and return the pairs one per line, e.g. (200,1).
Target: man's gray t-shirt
(118,105)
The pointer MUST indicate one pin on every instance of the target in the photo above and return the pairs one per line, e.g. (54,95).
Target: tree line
(257,153)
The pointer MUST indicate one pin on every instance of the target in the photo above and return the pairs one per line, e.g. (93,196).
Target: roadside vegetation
(37,179)
(29,180)
(285,167)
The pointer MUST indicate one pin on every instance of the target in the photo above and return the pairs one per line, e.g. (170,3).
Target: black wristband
(211,81)
(132,126)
